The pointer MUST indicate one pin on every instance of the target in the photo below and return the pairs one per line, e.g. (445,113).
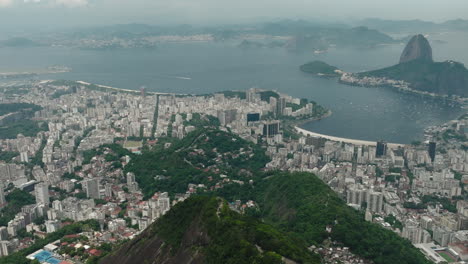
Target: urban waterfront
(358,112)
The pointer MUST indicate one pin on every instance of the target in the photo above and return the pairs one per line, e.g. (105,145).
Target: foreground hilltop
(205,230)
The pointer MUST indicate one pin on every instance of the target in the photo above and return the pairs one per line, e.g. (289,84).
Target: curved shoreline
(346,140)
(119,89)
(296,127)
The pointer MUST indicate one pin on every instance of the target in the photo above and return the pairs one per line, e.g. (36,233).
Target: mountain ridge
(203,229)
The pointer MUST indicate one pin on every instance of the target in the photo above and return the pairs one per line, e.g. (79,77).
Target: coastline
(345,140)
(300,122)
(406,88)
(352,79)
(303,131)
(296,124)
(119,89)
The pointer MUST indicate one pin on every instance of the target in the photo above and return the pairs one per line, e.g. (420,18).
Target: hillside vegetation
(200,158)
(204,230)
(320,68)
(299,204)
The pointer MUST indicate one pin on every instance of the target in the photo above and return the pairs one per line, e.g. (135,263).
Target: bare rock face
(418,48)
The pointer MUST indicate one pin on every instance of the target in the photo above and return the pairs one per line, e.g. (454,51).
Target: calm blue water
(361,113)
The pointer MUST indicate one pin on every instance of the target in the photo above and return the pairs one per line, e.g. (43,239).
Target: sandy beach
(346,140)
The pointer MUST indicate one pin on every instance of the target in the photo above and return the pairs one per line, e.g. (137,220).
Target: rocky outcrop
(416,67)
(418,48)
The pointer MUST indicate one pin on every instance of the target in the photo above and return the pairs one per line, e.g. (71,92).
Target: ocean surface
(199,68)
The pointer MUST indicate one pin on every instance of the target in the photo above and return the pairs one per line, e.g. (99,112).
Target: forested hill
(202,157)
(205,230)
(299,204)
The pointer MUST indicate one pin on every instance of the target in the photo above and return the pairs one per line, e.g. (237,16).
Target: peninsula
(416,72)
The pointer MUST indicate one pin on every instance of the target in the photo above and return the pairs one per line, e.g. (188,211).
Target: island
(321,68)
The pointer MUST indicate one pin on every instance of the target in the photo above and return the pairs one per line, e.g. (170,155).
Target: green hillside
(297,203)
(302,204)
(200,158)
(205,230)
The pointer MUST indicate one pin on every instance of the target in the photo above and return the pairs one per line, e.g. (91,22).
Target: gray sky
(46,13)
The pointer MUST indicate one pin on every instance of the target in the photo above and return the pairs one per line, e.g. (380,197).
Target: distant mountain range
(295,35)
(412,26)
(323,38)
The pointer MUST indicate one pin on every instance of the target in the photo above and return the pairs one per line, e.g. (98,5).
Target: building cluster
(336,254)
(79,120)
(353,79)
(373,81)
(420,186)
(250,118)
(75,174)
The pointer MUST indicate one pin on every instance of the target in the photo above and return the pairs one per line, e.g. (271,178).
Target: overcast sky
(93,12)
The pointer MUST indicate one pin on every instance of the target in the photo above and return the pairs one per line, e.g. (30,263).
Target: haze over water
(199,68)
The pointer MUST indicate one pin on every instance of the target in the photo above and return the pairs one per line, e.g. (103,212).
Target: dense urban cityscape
(65,191)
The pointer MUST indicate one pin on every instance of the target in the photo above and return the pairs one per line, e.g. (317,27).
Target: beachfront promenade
(120,89)
(346,140)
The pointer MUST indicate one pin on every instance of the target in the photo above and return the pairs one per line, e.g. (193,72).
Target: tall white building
(41,192)
(375,201)
(108,190)
(356,195)
(24,156)
(6,248)
(92,188)
(130,178)
(2,196)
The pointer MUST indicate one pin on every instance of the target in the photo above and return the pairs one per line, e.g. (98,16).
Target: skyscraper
(253,117)
(432,150)
(381,149)
(374,201)
(281,104)
(271,128)
(273,104)
(41,191)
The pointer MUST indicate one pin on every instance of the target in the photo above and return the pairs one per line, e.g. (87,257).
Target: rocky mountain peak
(418,48)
